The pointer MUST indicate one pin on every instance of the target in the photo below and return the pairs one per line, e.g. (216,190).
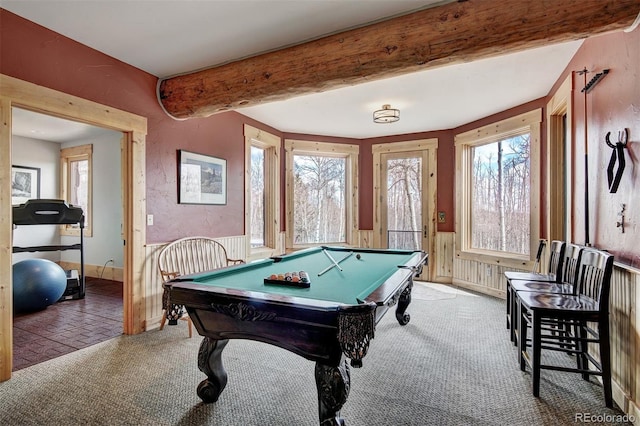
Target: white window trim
(350,153)
(531,122)
(80,152)
(272,145)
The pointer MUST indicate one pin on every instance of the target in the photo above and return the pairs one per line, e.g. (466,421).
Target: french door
(405,200)
(403,205)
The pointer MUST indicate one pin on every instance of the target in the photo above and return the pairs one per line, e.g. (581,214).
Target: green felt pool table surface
(357,279)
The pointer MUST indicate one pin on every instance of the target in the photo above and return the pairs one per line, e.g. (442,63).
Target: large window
(76,184)
(498,188)
(322,187)
(500,194)
(262,186)
(258,231)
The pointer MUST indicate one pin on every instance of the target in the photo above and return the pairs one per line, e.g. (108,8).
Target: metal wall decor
(620,224)
(617,162)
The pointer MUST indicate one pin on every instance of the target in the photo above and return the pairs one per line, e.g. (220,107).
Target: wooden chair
(589,304)
(564,284)
(185,256)
(554,271)
(518,275)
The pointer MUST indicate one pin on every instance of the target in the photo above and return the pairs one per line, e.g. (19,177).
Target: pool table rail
(308,329)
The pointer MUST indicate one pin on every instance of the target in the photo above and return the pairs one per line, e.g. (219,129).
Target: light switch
(149,219)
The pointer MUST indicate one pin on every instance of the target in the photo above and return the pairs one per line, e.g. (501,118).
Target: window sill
(495,258)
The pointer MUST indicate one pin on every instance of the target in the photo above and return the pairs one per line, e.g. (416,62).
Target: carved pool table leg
(333,385)
(210,363)
(403,303)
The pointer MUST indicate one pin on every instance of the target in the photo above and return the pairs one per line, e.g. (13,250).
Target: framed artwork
(25,184)
(202,179)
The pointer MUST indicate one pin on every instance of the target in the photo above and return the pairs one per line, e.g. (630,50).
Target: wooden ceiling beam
(456,32)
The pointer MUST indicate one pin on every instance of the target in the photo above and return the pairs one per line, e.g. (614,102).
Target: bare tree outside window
(500,210)
(404,200)
(76,185)
(257,197)
(319,199)
(79,183)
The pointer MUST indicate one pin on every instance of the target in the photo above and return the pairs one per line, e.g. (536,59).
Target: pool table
(328,319)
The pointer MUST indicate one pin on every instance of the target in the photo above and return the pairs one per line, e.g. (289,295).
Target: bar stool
(554,274)
(589,304)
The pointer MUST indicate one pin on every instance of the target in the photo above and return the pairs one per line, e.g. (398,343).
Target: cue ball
(358,256)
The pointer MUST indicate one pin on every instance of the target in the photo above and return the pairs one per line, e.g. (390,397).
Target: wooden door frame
(559,197)
(22,94)
(431,146)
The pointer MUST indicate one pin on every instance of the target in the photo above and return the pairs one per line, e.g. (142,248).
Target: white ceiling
(170,37)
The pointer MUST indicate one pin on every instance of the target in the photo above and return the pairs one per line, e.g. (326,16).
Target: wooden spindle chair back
(189,255)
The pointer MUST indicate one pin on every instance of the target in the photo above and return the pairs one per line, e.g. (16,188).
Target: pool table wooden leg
(210,363)
(403,303)
(333,385)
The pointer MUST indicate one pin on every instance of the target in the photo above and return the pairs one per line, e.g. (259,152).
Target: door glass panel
(404,203)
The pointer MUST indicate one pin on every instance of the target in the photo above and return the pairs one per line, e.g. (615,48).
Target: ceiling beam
(456,32)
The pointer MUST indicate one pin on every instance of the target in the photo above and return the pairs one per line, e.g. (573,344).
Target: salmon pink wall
(35,54)
(612,105)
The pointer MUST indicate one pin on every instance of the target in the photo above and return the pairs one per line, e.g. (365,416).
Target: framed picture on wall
(25,184)
(202,179)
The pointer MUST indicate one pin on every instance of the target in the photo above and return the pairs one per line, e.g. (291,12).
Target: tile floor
(69,325)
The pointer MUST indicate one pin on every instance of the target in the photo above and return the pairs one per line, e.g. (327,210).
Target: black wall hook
(617,161)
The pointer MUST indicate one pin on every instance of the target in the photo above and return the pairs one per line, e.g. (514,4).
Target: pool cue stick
(332,259)
(331,266)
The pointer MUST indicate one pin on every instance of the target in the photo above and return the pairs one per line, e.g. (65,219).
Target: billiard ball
(358,256)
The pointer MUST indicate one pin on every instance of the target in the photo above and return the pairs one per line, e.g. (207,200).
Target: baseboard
(152,323)
(96,271)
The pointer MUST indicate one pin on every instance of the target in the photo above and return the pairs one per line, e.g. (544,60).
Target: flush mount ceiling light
(386,115)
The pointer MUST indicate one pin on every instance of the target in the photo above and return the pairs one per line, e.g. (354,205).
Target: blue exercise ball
(37,283)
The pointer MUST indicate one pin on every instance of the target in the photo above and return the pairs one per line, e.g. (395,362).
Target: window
(76,184)
(262,187)
(498,188)
(257,197)
(322,193)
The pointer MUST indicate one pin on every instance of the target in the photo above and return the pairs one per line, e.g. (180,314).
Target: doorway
(405,196)
(403,206)
(39,142)
(22,94)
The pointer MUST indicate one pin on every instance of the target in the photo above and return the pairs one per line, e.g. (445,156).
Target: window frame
(559,153)
(272,146)
(347,151)
(67,155)
(530,122)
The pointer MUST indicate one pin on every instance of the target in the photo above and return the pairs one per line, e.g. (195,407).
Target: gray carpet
(452,364)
